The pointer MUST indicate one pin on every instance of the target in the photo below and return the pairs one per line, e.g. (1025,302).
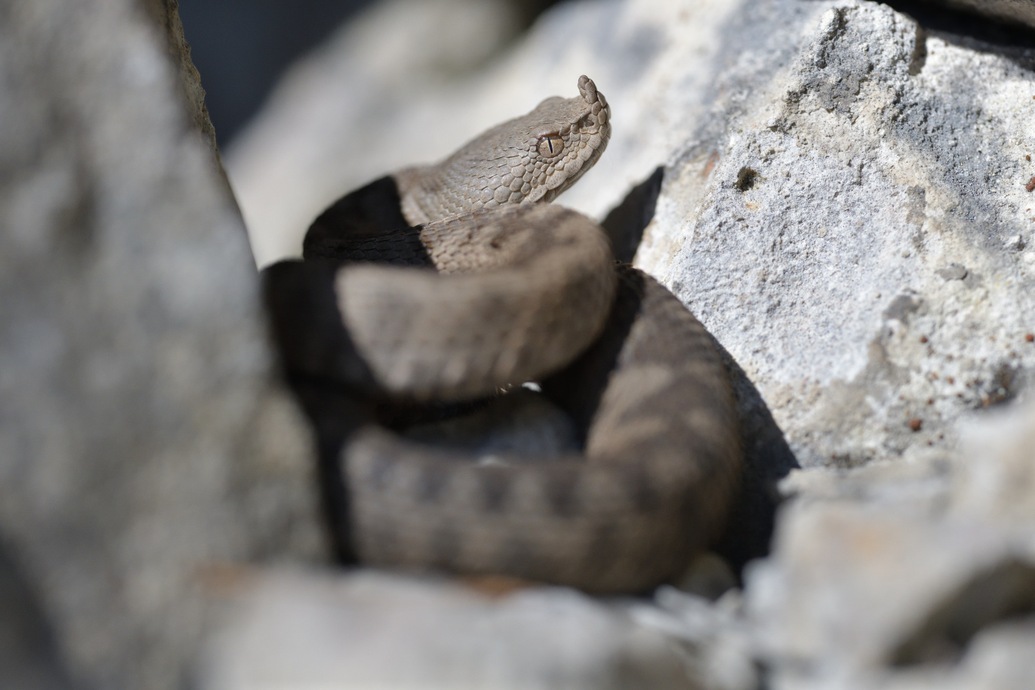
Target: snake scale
(520,291)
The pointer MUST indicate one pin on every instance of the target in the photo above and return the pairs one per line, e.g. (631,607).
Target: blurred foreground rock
(371,629)
(906,574)
(142,440)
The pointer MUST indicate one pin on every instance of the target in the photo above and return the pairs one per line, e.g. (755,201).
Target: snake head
(570,135)
(550,148)
(537,156)
(531,158)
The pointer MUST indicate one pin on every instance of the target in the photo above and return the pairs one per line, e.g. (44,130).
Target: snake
(443,284)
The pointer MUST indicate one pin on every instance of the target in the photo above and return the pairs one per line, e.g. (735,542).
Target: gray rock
(143,442)
(995,474)
(166,15)
(28,653)
(713,634)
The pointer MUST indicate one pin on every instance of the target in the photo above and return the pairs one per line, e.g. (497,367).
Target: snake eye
(550,145)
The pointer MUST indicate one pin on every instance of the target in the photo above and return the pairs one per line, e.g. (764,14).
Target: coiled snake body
(522,291)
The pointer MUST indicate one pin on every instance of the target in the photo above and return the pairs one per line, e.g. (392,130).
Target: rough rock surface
(142,440)
(166,15)
(861,241)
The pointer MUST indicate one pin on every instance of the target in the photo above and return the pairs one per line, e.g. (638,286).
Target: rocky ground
(841,190)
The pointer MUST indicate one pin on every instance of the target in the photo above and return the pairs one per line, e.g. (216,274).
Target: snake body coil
(521,291)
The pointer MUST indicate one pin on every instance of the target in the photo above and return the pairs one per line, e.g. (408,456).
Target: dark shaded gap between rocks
(625,223)
(767,459)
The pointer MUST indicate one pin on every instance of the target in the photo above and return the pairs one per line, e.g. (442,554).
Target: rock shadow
(767,459)
(625,224)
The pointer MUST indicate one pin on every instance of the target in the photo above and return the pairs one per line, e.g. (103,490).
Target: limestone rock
(997,473)
(143,441)
(166,14)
